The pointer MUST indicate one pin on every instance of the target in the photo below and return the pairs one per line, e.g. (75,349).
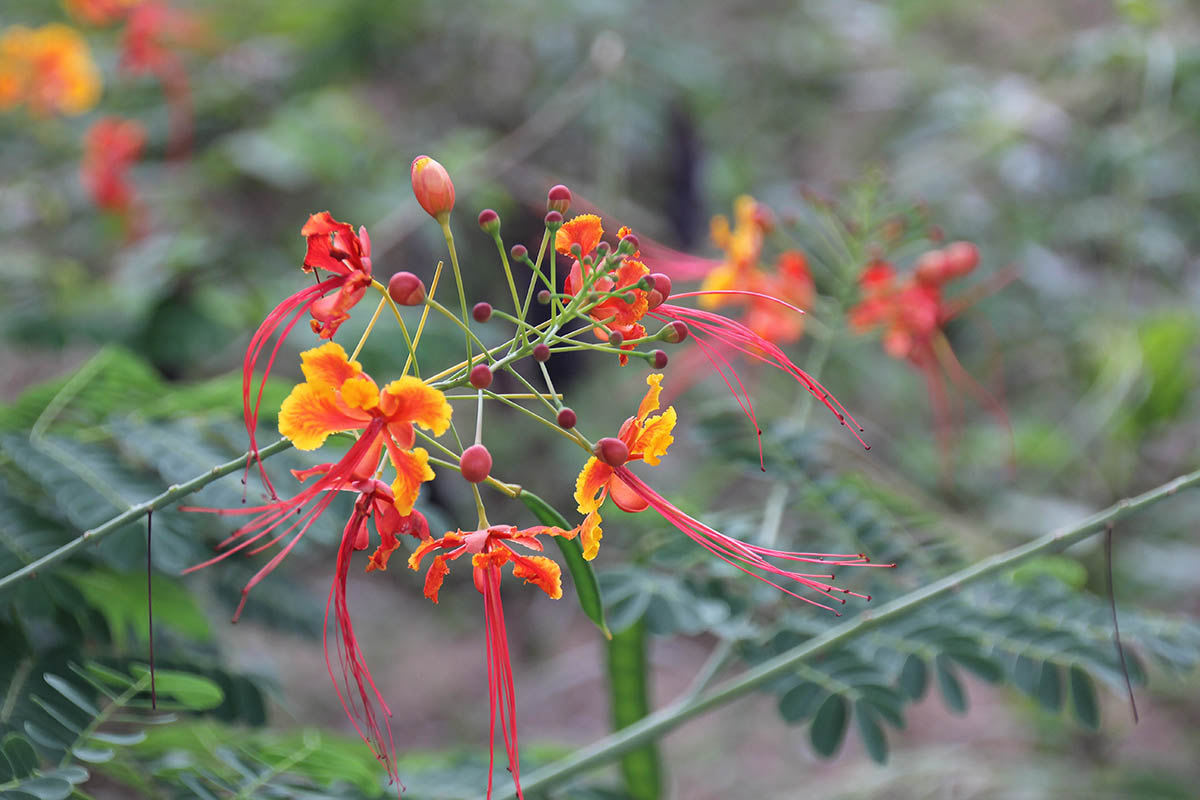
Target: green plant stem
(462,295)
(138,511)
(666,719)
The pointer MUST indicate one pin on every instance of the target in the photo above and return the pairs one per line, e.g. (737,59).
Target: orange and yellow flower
(49,70)
(618,316)
(338,396)
(647,439)
(490,549)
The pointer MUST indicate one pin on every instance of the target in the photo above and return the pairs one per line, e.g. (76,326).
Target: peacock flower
(618,316)
(346,257)
(646,438)
(111,146)
(490,549)
(742,244)
(100,12)
(49,69)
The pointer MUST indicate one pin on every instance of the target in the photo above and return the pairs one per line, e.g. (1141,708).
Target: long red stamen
(501,688)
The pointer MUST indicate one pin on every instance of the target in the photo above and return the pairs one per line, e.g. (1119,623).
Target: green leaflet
(586,586)
(627,677)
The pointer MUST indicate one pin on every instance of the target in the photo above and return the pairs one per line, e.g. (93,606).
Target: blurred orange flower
(49,70)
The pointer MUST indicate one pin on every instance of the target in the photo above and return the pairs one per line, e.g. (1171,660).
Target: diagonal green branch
(136,512)
(654,726)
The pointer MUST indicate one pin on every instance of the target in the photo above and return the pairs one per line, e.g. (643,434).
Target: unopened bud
(432,187)
(482,312)
(674,332)
(661,291)
(566,419)
(558,199)
(519,252)
(616,339)
(602,249)
(961,258)
(406,289)
(541,352)
(931,268)
(659,359)
(553,219)
(481,376)
(489,221)
(544,297)
(628,244)
(611,451)
(476,463)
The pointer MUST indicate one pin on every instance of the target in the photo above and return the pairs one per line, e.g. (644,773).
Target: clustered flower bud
(406,289)
(558,199)
(519,252)
(476,463)
(482,312)
(554,219)
(541,352)
(481,376)
(566,419)
(674,332)
(432,187)
(661,291)
(489,221)
(628,244)
(659,359)
(543,297)
(953,261)
(616,339)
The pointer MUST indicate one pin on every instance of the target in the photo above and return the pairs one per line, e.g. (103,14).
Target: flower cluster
(49,70)
(607,291)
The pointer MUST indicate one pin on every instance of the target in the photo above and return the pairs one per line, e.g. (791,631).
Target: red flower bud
(661,291)
(541,352)
(674,332)
(489,220)
(558,199)
(611,451)
(481,376)
(519,252)
(406,289)
(553,219)
(628,244)
(961,258)
(660,359)
(931,268)
(566,419)
(544,297)
(476,463)
(482,312)
(432,187)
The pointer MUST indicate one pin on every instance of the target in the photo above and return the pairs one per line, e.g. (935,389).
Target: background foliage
(1059,137)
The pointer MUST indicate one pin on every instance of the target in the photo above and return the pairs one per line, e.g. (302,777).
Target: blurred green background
(1061,138)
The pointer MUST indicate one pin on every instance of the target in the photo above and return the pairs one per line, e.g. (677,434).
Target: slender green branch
(136,512)
(462,295)
(654,726)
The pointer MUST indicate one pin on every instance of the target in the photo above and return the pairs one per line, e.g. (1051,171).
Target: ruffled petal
(412,469)
(656,437)
(320,244)
(584,230)
(591,480)
(328,366)
(433,579)
(310,413)
(590,534)
(412,400)
(541,572)
(360,393)
(650,401)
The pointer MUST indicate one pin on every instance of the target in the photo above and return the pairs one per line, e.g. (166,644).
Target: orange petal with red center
(433,579)
(493,558)
(540,571)
(412,469)
(656,437)
(625,498)
(379,559)
(584,230)
(412,400)
(312,412)
(328,365)
(591,480)
(360,393)
(590,534)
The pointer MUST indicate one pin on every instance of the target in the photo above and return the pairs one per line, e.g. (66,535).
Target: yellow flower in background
(49,70)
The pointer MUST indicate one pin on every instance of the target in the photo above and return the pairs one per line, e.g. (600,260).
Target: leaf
(799,702)
(71,693)
(46,788)
(829,726)
(983,667)
(19,754)
(1049,687)
(914,677)
(587,588)
(628,683)
(1083,698)
(871,733)
(93,755)
(952,691)
(122,600)
(192,691)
